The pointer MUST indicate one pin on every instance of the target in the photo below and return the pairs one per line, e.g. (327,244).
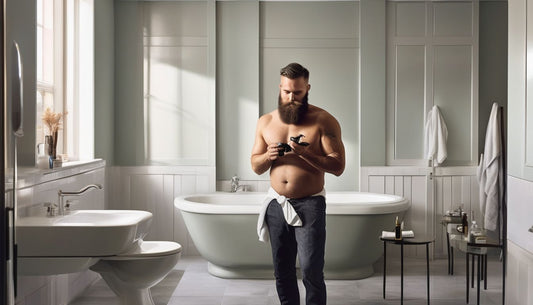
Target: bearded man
(299,143)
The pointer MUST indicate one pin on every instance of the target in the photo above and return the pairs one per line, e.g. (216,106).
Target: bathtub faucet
(235,186)
(61,194)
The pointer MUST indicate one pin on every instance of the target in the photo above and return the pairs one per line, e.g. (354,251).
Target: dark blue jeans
(308,241)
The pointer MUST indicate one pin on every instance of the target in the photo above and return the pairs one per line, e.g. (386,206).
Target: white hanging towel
(490,171)
(436,135)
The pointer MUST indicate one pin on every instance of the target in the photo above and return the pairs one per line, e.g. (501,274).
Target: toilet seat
(148,249)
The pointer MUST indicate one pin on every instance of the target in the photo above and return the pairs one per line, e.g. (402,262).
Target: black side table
(446,221)
(478,250)
(421,239)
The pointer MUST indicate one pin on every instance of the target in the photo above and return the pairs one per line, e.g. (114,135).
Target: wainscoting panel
(153,189)
(431,192)
(519,275)
(452,191)
(432,59)
(411,183)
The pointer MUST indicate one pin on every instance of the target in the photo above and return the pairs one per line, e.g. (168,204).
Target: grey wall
(104,80)
(238,85)
(252,45)
(21,27)
(164,83)
(128,118)
(323,36)
(373,82)
(492,61)
(246,82)
(256,39)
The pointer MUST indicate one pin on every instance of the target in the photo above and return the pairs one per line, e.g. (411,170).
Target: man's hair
(294,71)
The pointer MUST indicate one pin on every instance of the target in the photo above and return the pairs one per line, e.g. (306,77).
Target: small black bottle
(398,230)
(465,225)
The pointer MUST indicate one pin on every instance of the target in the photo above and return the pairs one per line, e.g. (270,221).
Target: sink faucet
(61,194)
(235,186)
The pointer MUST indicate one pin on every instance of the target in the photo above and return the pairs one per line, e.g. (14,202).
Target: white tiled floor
(190,283)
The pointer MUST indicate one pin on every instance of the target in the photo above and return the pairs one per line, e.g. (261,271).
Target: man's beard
(292,112)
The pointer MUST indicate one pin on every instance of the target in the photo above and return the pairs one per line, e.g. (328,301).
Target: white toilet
(131,275)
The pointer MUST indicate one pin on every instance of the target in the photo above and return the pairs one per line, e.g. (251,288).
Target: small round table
(419,239)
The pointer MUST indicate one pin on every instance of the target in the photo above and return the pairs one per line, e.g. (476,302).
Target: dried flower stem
(52,120)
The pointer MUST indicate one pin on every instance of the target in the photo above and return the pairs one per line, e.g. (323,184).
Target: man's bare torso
(299,172)
(290,175)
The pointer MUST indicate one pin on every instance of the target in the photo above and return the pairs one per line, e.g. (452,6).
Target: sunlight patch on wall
(176,128)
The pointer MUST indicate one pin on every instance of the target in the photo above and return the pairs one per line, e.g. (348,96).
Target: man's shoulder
(320,113)
(267,118)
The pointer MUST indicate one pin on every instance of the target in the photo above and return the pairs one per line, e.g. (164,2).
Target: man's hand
(273,150)
(297,145)
(298,149)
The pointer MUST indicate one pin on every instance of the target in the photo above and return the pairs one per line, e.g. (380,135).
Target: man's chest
(282,134)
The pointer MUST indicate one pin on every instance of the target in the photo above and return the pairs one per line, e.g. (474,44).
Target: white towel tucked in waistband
(289,213)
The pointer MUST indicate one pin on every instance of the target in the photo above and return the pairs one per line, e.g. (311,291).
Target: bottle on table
(465,225)
(398,230)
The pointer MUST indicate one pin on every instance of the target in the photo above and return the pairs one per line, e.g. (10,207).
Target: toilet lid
(146,249)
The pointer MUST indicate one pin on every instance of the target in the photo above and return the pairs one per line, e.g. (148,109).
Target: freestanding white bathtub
(223,229)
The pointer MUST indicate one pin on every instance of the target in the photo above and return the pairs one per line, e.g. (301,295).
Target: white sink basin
(82,233)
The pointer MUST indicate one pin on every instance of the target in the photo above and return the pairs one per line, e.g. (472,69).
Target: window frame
(72,19)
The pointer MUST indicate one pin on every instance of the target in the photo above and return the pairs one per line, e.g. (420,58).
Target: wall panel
(520,209)
(409,97)
(519,276)
(409,183)
(432,59)
(323,38)
(410,19)
(452,92)
(527,116)
(453,19)
(237,86)
(165,83)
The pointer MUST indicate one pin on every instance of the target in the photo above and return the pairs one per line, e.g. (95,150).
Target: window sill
(30,176)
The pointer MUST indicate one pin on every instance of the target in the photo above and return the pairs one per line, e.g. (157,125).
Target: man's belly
(296,181)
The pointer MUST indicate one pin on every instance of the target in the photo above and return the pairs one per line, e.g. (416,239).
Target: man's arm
(333,160)
(262,154)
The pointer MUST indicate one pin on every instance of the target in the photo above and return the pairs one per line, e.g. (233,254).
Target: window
(65,73)
(49,85)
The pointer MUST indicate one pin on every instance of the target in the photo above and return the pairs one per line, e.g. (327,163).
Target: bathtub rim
(396,204)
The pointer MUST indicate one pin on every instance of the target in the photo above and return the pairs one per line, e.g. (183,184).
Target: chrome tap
(234,183)
(235,186)
(61,194)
